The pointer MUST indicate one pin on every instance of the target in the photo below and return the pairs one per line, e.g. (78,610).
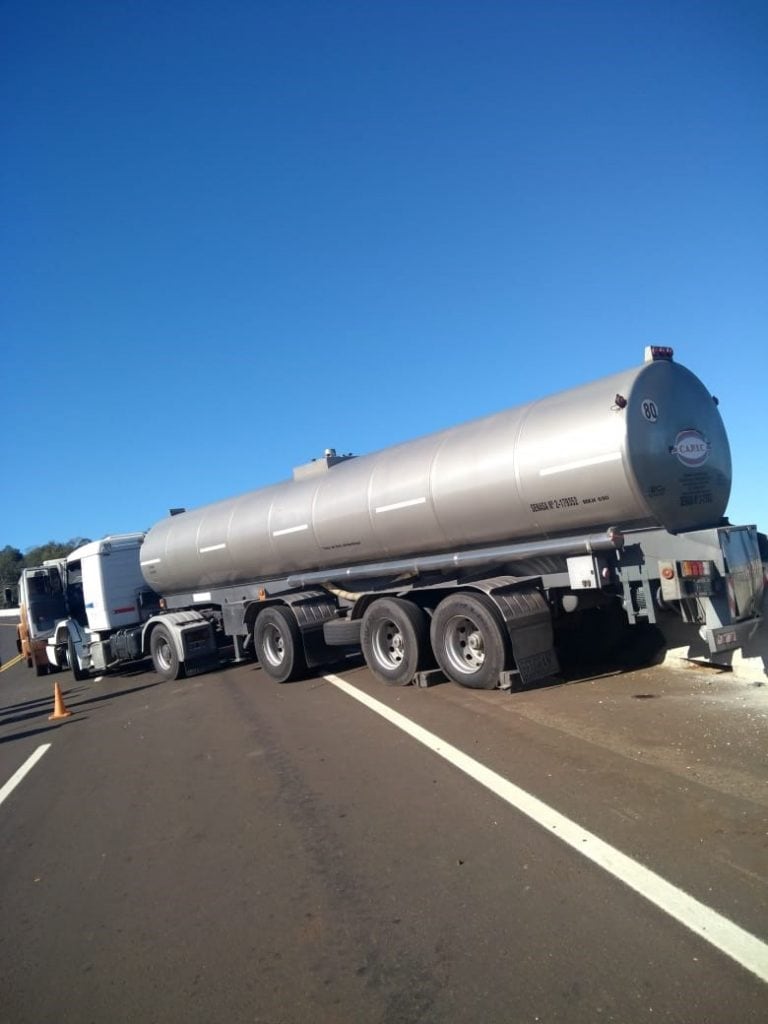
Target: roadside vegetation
(12,561)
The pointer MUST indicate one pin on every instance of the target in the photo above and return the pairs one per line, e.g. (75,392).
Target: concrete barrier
(750,663)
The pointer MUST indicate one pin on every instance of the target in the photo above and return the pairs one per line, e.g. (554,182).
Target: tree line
(12,561)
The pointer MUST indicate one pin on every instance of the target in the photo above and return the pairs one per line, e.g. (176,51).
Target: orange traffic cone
(59,708)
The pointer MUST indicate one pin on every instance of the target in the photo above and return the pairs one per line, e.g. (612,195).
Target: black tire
(470,640)
(342,632)
(165,658)
(77,673)
(395,640)
(278,646)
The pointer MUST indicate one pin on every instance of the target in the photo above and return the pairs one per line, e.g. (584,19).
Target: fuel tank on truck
(642,448)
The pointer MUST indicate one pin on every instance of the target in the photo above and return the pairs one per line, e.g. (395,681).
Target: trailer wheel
(164,655)
(469,640)
(394,637)
(277,641)
(77,673)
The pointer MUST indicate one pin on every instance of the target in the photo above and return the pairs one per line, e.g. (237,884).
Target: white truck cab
(105,594)
(108,576)
(114,617)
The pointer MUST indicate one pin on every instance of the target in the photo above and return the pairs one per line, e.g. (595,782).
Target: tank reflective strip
(211,547)
(400,504)
(291,529)
(202,597)
(152,561)
(597,460)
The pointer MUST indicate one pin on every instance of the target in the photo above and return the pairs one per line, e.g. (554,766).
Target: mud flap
(528,620)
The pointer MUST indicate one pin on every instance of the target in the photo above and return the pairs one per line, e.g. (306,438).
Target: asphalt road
(228,849)
(7,639)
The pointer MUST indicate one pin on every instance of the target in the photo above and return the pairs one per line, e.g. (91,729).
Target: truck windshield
(45,601)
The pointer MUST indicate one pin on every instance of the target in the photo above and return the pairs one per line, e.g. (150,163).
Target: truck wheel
(394,637)
(164,656)
(77,673)
(278,646)
(470,641)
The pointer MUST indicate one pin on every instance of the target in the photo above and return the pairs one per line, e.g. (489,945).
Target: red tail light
(694,569)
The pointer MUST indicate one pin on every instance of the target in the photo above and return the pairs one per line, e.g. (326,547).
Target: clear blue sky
(235,233)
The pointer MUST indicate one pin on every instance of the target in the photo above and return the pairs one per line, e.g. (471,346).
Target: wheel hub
(274,647)
(388,644)
(465,646)
(164,654)
(475,644)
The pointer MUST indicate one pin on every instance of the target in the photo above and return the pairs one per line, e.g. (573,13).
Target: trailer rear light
(694,569)
(655,352)
(668,573)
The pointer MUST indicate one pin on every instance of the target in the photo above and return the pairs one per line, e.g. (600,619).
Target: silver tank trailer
(642,448)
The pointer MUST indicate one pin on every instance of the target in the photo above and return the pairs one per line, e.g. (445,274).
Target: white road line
(747,950)
(27,767)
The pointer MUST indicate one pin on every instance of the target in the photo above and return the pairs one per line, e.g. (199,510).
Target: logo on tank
(691,448)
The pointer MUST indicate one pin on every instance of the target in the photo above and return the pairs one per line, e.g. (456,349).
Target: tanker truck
(468,552)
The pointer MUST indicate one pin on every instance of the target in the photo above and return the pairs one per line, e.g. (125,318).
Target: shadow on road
(43,729)
(586,655)
(76,700)
(26,715)
(25,704)
(112,694)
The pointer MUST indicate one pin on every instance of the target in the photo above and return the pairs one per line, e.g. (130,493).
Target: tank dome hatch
(327,460)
